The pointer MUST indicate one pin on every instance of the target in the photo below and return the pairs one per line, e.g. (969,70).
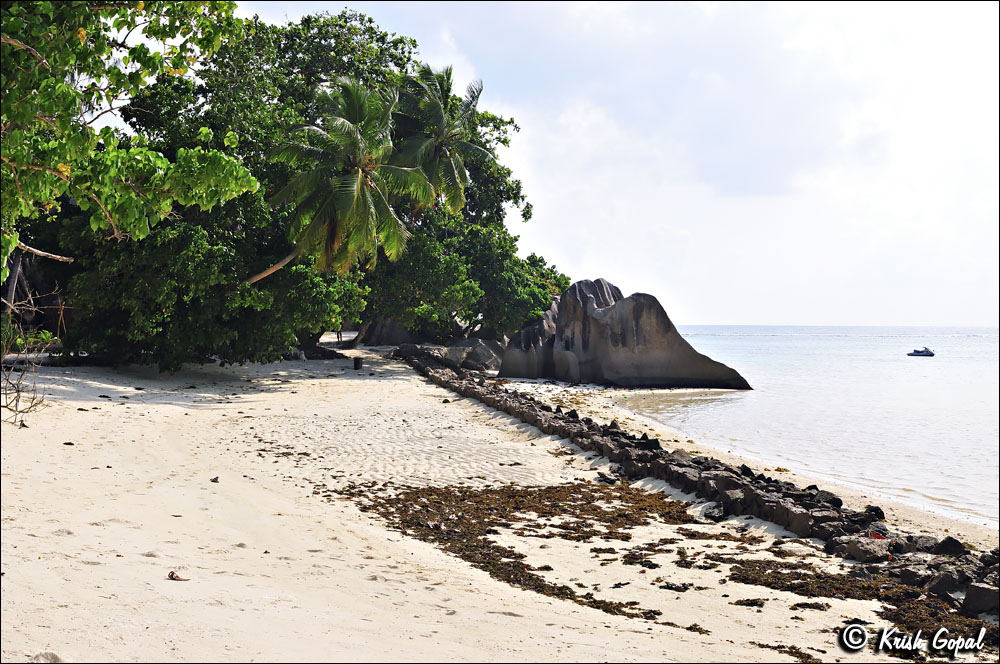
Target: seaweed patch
(461,519)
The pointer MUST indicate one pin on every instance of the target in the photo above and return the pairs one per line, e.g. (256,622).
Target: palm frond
(344,133)
(303,184)
(348,188)
(391,230)
(454,178)
(416,150)
(471,99)
(297,154)
(409,181)
(352,100)
(467,149)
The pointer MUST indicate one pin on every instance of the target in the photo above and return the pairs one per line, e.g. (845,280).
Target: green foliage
(321,48)
(342,202)
(436,129)
(429,286)
(65,64)
(455,270)
(15,340)
(465,266)
(180,294)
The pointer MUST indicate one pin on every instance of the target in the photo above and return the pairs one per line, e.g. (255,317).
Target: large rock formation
(593,334)
(472,354)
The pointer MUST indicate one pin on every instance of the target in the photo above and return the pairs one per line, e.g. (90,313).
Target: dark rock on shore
(384,332)
(950,546)
(468,354)
(593,334)
(939,567)
(981,598)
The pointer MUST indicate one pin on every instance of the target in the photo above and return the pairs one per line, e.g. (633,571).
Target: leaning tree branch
(274,268)
(24,47)
(38,252)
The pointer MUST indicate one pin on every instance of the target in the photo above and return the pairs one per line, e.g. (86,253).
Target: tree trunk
(12,275)
(274,268)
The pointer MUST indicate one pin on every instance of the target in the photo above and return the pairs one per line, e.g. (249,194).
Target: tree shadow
(208,386)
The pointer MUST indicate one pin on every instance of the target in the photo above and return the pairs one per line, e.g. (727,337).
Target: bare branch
(38,252)
(107,110)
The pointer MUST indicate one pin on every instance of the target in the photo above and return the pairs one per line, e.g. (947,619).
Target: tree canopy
(182,293)
(65,65)
(343,202)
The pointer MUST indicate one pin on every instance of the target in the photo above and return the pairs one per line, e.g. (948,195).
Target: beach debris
(174,576)
(791,651)
(46,657)
(815,606)
(676,587)
(462,520)
(909,608)
(215,479)
(755,602)
(68,443)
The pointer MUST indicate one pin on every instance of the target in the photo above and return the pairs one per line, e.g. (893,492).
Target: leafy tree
(64,66)
(430,286)
(342,203)
(464,267)
(181,294)
(438,129)
(456,271)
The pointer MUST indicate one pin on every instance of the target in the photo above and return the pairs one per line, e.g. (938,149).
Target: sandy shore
(112,487)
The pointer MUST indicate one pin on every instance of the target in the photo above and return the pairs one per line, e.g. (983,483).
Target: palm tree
(341,204)
(440,141)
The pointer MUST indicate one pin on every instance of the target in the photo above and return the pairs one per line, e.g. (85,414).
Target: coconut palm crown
(341,203)
(442,126)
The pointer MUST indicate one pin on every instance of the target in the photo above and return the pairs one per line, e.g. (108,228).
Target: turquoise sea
(847,404)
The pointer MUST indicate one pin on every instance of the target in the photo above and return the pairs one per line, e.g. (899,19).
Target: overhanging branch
(38,252)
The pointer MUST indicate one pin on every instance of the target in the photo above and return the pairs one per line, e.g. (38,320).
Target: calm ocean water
(846,404)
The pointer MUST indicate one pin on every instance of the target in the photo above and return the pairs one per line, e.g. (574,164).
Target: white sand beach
(111,487)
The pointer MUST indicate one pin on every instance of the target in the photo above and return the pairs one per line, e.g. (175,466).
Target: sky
(768,164)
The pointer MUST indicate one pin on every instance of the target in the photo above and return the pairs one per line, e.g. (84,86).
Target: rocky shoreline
(944,568)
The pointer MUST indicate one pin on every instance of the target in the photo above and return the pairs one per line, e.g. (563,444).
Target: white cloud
(895,222)
(444,51)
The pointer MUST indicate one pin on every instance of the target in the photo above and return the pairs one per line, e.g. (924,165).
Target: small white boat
(926,352)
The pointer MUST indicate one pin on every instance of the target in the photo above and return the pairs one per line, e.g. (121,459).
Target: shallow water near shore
(847,404)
